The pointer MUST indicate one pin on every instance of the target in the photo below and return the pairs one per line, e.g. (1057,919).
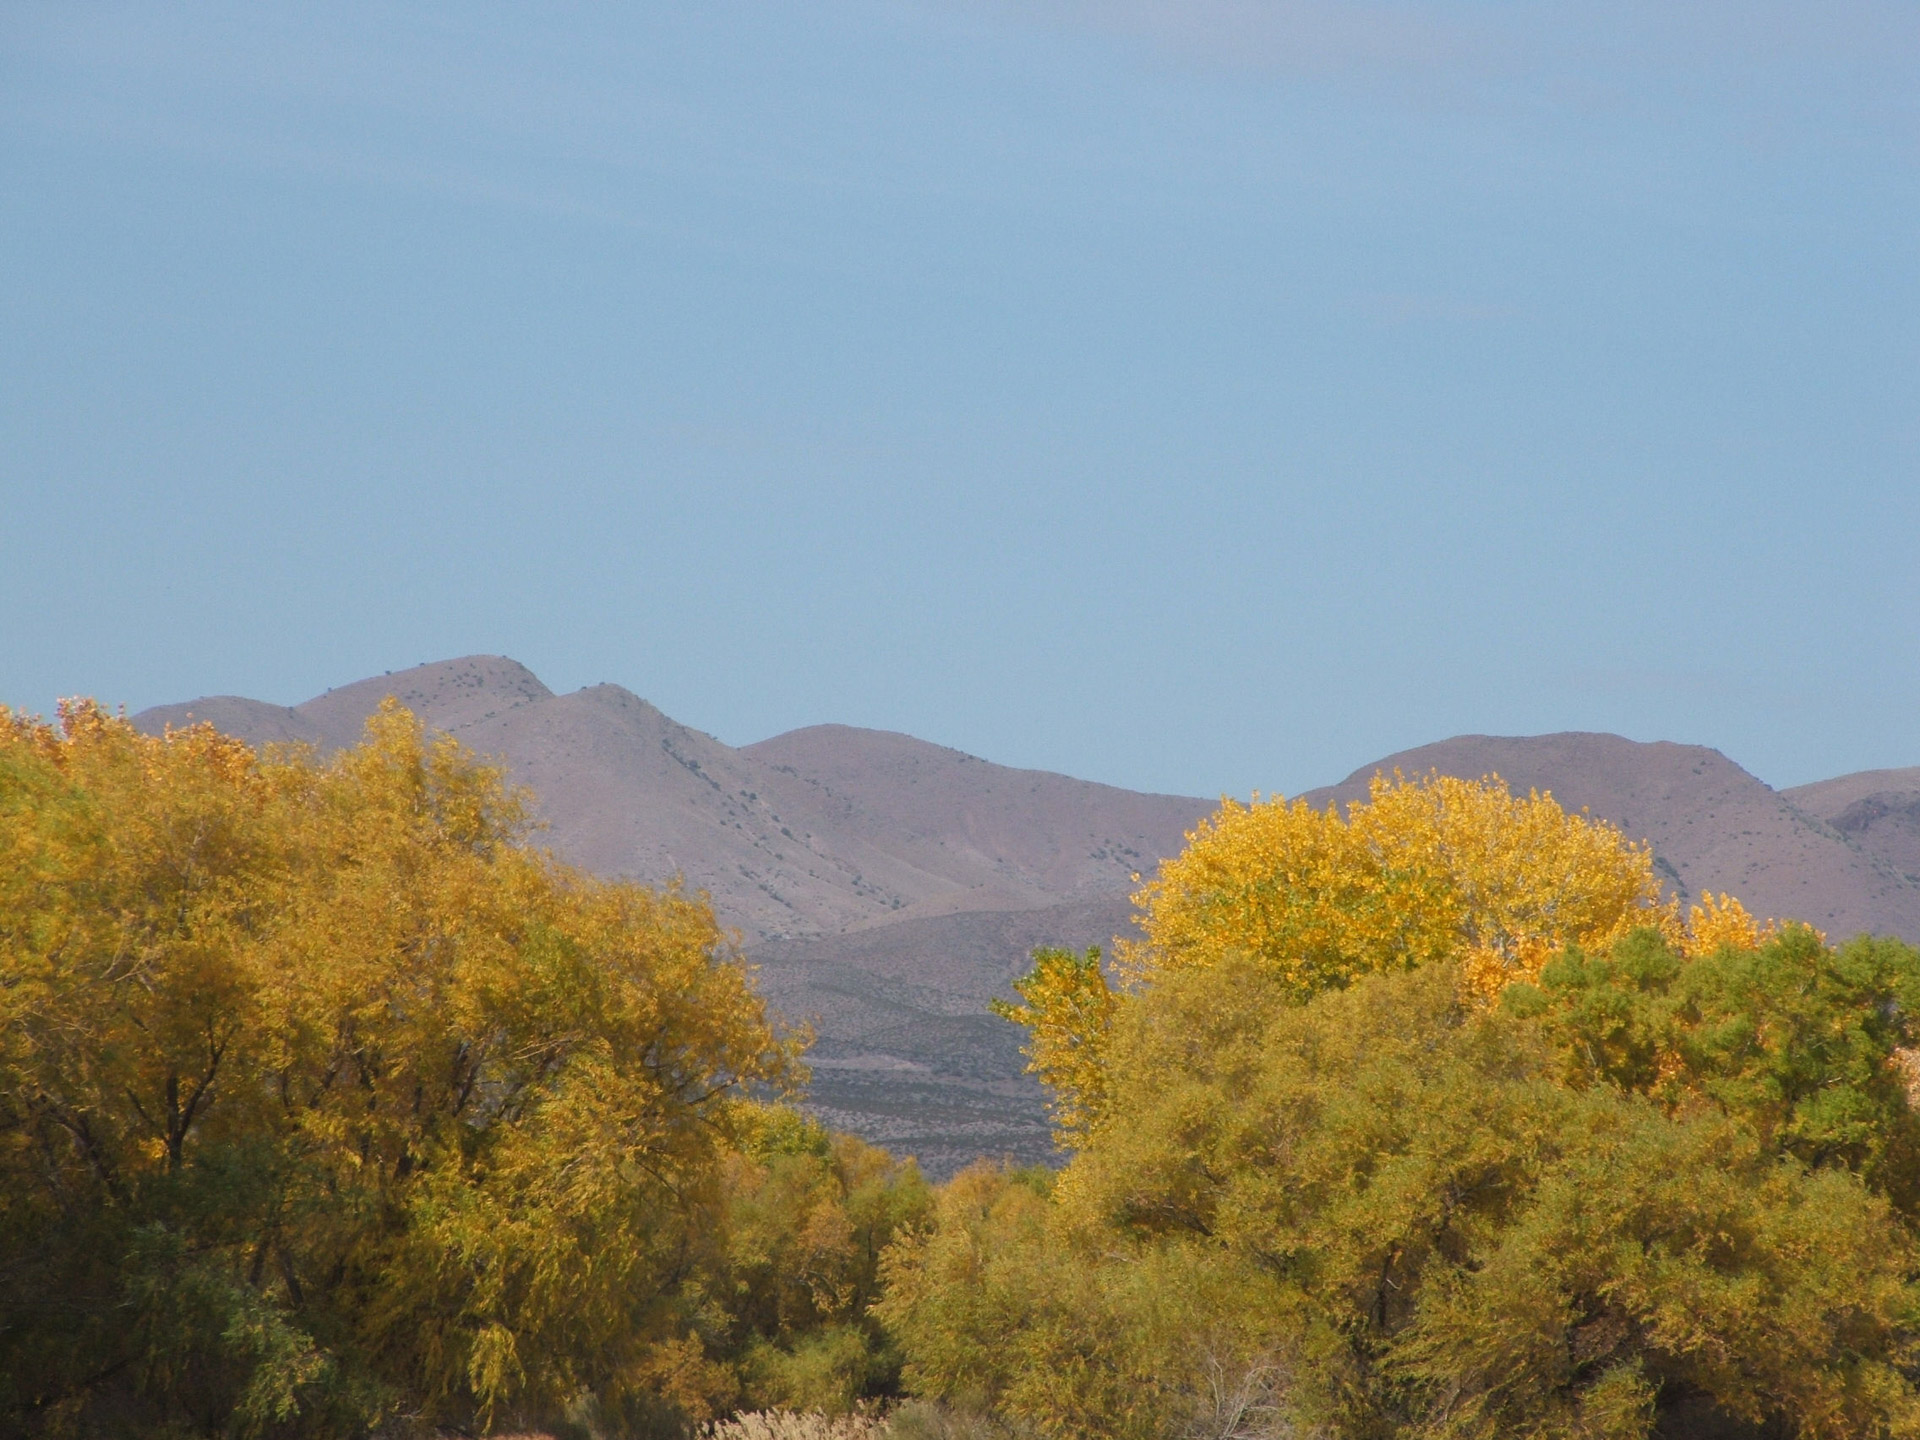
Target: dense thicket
(327,1105)
(1329,1180)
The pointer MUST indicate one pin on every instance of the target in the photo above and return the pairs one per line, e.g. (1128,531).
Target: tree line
(332,1105)
(329,1106)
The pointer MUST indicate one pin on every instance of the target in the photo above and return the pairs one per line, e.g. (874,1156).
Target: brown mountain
(816,832)
(1877,810)
(888,888)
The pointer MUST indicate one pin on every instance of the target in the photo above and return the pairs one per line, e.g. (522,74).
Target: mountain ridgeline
(814,832)
(888,888)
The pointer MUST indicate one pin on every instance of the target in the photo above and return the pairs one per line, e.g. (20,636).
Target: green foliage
(959,1288)
(1801,1042)
(1644,1191)
(808,1215)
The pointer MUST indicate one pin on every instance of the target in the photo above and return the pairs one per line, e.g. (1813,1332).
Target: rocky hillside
(1877,811)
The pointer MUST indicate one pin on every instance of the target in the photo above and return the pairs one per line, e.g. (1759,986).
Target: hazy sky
(1198,396)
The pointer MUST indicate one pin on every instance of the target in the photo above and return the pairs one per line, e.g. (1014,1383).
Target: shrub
(1646,1188)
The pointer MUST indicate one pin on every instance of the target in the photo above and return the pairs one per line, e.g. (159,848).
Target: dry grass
(789,1425)
(925,1420)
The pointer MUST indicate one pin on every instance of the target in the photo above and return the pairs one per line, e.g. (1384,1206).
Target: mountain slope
(1039,835)
(812,833)
(254,721)
(1877,810)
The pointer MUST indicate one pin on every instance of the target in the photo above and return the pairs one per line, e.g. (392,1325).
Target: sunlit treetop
(1425,869)
(1421,869)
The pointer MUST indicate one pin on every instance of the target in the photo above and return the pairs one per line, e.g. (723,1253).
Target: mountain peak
(449,695)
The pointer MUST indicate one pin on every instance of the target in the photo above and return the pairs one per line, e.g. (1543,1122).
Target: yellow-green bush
(326,1103)
(1644,1187)
(808,1215)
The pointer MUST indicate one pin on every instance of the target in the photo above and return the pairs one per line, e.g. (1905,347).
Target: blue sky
(1202,397)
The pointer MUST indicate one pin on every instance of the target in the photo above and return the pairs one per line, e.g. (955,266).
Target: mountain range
(814,832)
(887,888)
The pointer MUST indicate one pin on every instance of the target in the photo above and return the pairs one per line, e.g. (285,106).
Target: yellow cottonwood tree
(1719,921)
(326,1102)
(1422,870)
(1419,870)
(1067,1007)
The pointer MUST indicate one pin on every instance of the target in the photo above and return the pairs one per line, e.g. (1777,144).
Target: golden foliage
(1067,1007)
(1719,922)
(1423,869)
(328,1042)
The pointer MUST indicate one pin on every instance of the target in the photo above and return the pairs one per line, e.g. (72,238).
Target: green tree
(1643,1191)
(808,1215)
(1806,1044)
